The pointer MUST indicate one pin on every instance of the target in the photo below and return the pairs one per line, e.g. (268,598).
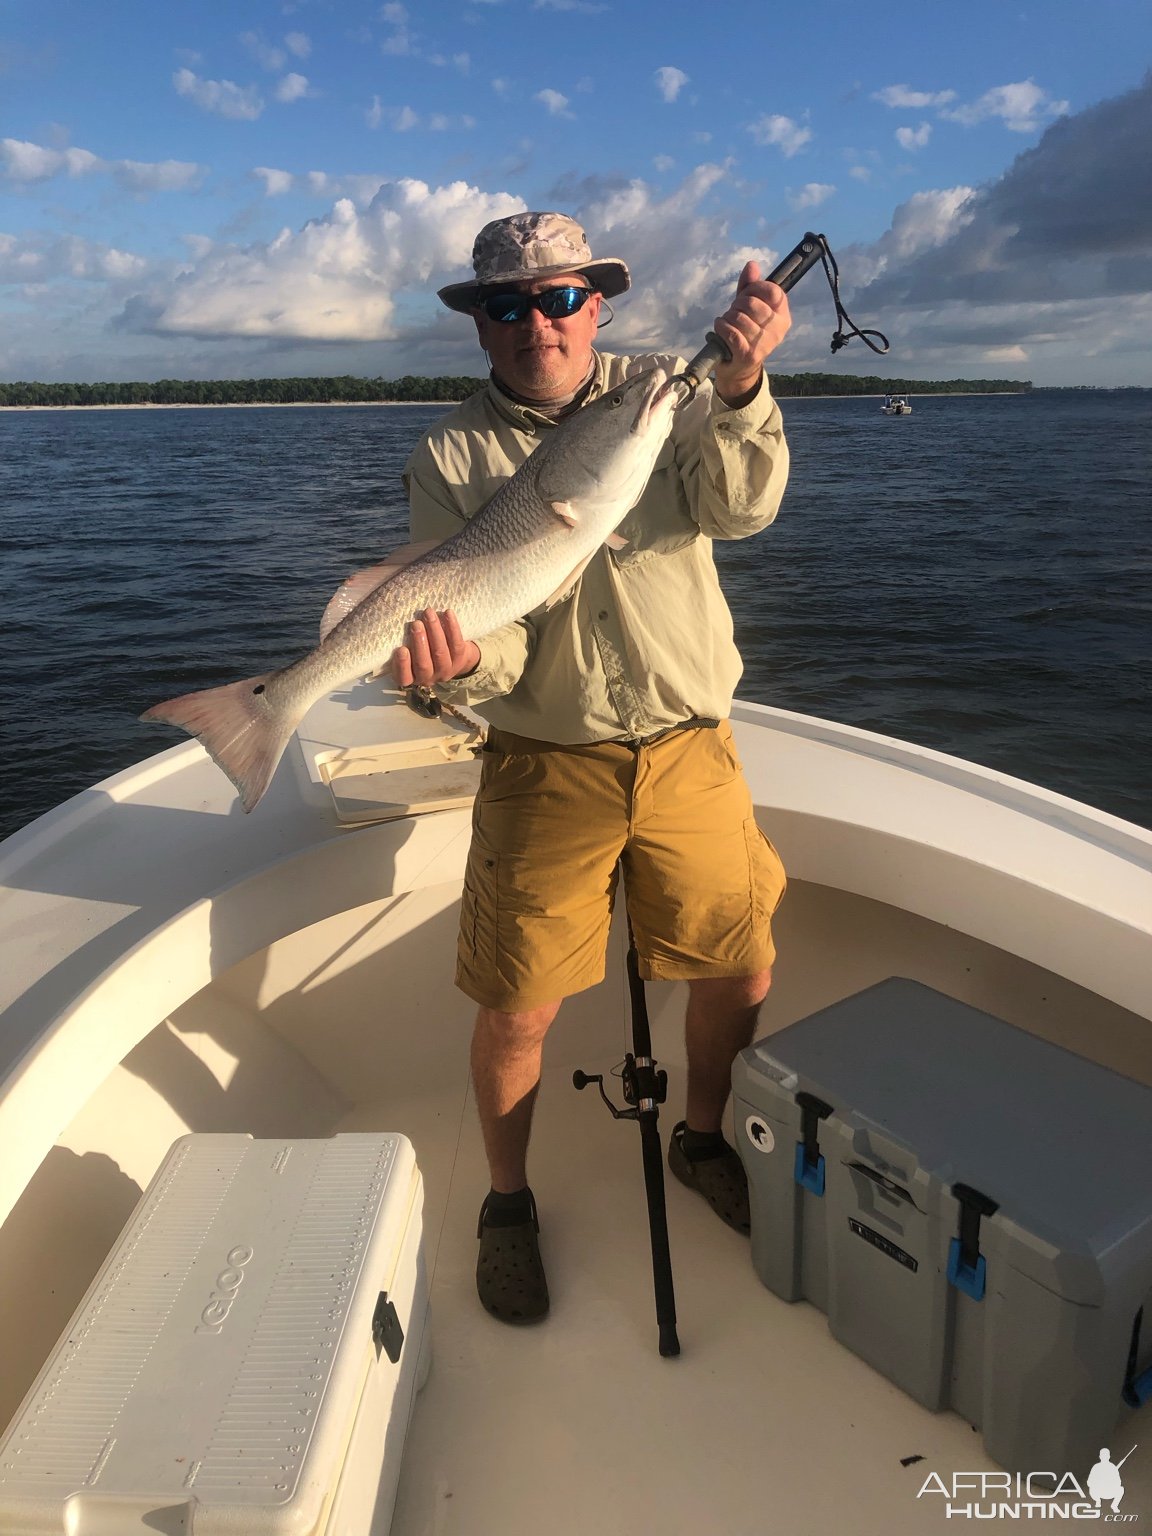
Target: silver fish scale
(507,560)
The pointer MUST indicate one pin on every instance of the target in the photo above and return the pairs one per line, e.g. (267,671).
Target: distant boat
(897,405)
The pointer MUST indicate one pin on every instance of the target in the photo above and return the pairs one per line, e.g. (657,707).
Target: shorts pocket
(766,878)
(479,906)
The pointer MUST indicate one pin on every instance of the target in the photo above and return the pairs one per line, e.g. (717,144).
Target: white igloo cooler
(246,1362)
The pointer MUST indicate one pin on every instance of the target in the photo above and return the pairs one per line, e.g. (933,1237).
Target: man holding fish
(608,739)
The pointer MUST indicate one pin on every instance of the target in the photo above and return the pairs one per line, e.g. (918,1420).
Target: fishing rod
(645,1089)
(800,259)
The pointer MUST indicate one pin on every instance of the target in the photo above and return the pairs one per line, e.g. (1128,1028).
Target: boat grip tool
(803,256)
(786,275)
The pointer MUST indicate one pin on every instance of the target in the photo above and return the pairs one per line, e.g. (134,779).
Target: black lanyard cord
(840,339)
(802,258)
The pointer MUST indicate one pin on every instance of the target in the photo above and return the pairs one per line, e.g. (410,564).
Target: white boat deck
(160,981)
(764,1423)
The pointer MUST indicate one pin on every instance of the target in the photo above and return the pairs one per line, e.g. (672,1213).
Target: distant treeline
(349,390)
(242,391)
(789,384)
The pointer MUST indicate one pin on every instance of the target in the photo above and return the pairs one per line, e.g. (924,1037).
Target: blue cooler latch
(966,1267)
(809,1170)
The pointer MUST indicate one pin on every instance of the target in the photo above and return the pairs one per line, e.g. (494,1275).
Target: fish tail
(239,726)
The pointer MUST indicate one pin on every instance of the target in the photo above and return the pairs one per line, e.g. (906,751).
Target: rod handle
(714,351)
(803,256)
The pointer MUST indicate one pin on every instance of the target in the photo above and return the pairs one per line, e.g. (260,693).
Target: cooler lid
(217,1360)
(1063,1145)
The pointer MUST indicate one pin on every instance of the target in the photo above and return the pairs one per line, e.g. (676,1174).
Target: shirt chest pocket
(661,522)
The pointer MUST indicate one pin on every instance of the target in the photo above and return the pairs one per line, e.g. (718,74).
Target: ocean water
(975,577)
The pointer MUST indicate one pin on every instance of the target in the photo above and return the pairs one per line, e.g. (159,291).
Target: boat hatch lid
(387,761)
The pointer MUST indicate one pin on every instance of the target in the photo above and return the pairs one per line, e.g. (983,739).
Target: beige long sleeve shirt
(645,639)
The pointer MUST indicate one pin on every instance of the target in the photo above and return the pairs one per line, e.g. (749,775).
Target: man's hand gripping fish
(525,548)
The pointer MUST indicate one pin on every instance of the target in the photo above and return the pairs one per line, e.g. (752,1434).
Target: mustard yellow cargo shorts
(550,826)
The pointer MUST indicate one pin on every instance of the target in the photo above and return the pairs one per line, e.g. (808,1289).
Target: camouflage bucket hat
(532,245)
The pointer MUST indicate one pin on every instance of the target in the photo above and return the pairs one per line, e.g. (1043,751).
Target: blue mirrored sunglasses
(554,303)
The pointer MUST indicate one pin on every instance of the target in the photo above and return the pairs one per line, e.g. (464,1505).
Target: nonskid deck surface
(577,1425)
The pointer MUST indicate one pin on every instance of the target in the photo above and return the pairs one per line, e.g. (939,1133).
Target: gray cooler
(971,1207)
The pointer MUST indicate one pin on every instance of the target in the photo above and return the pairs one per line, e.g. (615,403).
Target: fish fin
(614,541)
(362,584)
(568,583)
(566,512)
(242,732)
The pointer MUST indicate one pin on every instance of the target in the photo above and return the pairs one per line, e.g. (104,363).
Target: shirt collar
(522,413)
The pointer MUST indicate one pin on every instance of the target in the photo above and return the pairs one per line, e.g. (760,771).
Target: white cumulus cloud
(26,162)
(928,220)
(684,264)
(811,195)
(362,189)
(905,96)
(556,104)
(33,259)
(276,183)
(670,82)
(914,138)
(405,120)
(337,278)
(399,42)
(788,136)
(292,88)
(224,97)
(1023,107)
(157,176)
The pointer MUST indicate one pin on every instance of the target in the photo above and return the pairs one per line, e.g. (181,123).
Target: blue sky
(246,189)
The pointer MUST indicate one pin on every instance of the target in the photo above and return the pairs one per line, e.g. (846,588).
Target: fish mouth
(659,392)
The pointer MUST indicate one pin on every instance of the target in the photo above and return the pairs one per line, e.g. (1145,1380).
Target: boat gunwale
(843,840)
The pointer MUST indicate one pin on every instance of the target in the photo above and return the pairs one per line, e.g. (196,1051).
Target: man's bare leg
(720,1022)
(506,1054)
(506,1051)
